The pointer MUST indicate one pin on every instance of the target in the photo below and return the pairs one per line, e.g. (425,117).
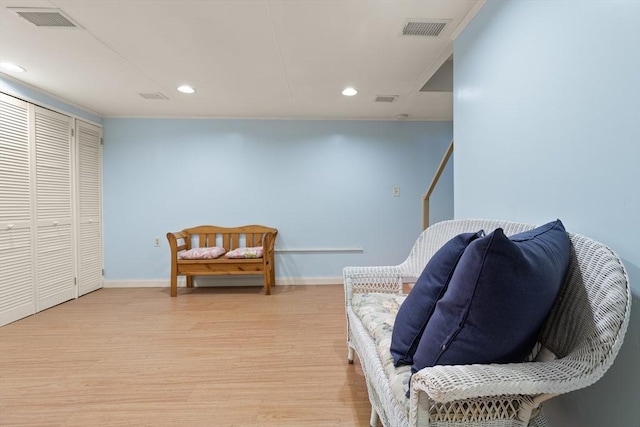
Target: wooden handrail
(434,181)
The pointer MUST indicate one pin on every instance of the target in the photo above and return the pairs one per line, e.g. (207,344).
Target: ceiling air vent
(385,98)
(427,28)
(45,17)
(154,96)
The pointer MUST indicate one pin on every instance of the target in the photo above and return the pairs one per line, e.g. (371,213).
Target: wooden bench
(229,238)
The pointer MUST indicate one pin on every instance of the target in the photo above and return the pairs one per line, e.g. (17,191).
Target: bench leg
(267,283)
(269,277)
(174,285)
(272,272)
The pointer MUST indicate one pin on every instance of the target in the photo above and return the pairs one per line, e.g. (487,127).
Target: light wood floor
(210,357)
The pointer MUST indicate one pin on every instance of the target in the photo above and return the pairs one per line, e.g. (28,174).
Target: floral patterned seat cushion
(255,252)
(377,311)
(202,253)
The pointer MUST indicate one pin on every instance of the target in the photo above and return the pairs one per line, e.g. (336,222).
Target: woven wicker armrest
(383,279)
(450,383)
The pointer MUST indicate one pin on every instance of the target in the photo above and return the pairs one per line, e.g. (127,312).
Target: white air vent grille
(45,17)
(154,96)
(423,28)
(385,98)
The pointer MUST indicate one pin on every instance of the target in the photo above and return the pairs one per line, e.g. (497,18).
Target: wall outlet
(156,242)
(396,191)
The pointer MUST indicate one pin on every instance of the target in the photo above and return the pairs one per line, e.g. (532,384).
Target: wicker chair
(577,345)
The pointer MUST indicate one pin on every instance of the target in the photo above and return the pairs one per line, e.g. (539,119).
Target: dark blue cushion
(497,300)
(415,311)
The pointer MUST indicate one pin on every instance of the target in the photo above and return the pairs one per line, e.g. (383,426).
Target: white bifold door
(89,218)
(53,201)
(17,275)
(50,208)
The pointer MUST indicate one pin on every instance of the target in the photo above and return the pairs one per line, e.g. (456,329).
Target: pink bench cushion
(202,253)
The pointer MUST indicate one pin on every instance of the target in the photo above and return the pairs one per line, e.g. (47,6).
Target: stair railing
(434,181)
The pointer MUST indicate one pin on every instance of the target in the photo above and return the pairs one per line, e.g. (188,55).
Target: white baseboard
(140,283)
(223,281)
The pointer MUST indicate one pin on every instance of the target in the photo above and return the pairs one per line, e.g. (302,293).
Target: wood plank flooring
(210,357)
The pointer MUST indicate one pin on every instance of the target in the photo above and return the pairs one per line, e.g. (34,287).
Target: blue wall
(323,184)
(547,125)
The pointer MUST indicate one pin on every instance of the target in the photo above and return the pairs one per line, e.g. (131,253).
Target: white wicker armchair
(582,334)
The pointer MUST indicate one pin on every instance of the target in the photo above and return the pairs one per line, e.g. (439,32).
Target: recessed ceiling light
(8,66)
(186,89)
(349,91)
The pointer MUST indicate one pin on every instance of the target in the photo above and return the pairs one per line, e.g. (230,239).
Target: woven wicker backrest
(438,234)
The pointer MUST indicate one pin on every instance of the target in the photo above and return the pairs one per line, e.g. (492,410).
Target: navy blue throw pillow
(417,308)
(498,299)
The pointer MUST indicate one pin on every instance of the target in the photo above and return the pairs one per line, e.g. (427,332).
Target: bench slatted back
(230,241)
(209,236)
(254,239)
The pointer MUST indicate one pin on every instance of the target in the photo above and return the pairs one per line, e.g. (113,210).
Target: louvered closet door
(89,207)
(54,239)
(17,298)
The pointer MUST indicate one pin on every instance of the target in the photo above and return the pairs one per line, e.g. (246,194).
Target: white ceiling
(245,58)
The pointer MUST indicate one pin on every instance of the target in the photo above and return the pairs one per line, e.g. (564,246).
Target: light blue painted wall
(321,183)
(27,93)
(547,125)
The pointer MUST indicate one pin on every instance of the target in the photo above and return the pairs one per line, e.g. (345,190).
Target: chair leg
(373,421)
